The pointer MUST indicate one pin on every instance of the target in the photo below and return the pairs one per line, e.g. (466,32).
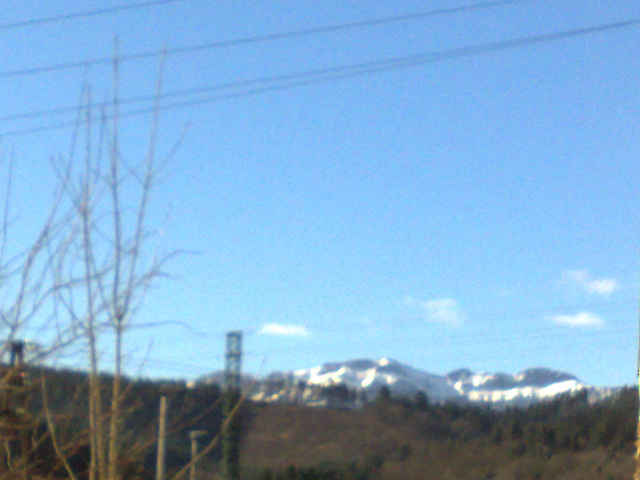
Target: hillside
(364,378)
(387,438)
(564,439)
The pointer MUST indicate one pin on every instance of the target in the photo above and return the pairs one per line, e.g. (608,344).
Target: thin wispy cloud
(444,311)
(284,330)
(583,280)
(582,319)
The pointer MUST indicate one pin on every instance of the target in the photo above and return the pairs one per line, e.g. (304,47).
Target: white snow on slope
(364,378)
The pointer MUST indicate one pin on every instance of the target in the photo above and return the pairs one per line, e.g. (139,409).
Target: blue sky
(479,211)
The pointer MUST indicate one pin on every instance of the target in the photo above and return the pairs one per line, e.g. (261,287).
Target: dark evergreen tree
(421,401)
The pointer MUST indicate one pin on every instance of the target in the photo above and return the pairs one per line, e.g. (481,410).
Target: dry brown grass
(282,435)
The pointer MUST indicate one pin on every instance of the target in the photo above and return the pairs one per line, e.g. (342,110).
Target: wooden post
(162,437)
(636,476)
(194,435)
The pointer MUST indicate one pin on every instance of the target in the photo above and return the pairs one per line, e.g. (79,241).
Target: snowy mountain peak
(367,377)
(533,383)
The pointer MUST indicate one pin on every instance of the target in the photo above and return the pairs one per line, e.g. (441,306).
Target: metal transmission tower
(233,362)
(232,373)
(15,421)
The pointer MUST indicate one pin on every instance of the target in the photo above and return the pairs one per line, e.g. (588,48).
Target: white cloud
(582,279)
(582,319)
(445,311)
(409,301)
(603,287)
(284,330)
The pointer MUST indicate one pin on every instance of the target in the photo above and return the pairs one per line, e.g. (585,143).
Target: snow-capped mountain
(533,384)
(370,376)
(364,379)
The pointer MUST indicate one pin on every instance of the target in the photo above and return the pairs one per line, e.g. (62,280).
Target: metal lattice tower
(233,363)
(15,422)
(231,434)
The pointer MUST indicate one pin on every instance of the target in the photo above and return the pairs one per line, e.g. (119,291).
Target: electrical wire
(83,14)
(334,73)
(252,39)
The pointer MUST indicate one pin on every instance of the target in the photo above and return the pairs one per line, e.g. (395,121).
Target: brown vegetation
(562,440)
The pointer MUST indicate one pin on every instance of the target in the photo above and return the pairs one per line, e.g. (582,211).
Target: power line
(508,329)
(330,74)
(313,75)
(83,14)
(253,39)
(543,342)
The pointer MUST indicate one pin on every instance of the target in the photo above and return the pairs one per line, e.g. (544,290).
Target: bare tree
(82,280)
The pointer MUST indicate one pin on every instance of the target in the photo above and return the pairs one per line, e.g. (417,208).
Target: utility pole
(194,435)
(232,377)
(162,437)
(636,476)
(165,391)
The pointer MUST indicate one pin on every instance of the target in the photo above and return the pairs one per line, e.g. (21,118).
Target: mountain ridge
(364,378)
